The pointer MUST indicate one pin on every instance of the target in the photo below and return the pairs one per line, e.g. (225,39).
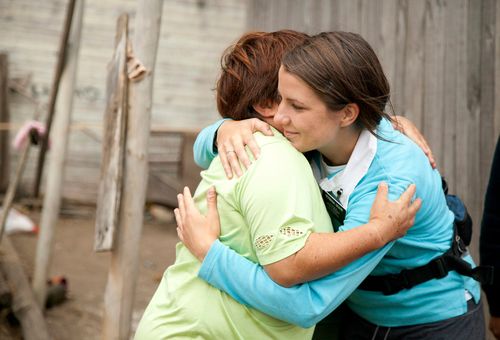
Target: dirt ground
(80,316)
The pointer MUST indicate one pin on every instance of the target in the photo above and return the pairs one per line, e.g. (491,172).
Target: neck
(339,151)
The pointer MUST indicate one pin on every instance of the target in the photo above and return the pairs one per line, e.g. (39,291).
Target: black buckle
(439,268)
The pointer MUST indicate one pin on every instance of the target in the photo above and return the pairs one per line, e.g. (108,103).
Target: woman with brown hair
(333,96)
(256,220)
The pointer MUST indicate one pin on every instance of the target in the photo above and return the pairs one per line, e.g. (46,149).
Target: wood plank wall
(442,58)
(4,117)
(194,34)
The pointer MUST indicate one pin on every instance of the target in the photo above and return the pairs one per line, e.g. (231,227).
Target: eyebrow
(291,99)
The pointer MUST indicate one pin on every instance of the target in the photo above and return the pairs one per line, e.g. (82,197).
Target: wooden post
(24,306)
(113,146)
(55,175)
(4,118)
(120,289)
(61,61)
(11,191)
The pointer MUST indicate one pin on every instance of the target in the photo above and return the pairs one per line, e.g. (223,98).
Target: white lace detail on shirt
(290,231)
(262,242)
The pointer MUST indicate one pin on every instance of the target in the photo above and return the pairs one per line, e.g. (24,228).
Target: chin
(299,147)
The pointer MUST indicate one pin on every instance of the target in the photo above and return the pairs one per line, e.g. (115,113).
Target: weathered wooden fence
(192,39)
(442,58)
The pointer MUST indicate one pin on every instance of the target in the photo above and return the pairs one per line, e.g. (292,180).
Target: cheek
(322,133)
(278,126)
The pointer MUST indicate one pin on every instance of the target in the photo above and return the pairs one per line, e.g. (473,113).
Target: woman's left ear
(350,114)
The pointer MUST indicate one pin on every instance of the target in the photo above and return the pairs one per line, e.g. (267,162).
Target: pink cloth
(23,133)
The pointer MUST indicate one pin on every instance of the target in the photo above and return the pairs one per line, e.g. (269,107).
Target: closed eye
(297,107)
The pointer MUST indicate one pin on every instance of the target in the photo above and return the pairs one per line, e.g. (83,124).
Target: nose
(281,117)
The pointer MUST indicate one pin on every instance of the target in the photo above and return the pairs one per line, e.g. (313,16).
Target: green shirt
(266,215)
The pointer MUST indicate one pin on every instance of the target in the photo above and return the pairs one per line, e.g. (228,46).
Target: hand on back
(195,230)
(392,219)
(406,127)
(233,137)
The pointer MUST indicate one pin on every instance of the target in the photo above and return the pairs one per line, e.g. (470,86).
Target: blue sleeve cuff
(210,260)
(203,148)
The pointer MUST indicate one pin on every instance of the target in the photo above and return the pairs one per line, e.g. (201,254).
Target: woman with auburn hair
(422,286)
(263,216)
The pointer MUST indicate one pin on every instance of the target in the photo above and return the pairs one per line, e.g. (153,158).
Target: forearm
(303,305)
(325,253)
(203,150)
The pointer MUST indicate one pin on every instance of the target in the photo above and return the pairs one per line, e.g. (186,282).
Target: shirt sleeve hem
(210,260)
(283,252)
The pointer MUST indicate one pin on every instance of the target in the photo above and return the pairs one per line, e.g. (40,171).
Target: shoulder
(401,160)
(277,152)
(278,167)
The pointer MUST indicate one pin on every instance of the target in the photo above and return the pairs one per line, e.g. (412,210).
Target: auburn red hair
(249,72)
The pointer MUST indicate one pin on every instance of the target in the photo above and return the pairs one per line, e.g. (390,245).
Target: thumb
(212,203)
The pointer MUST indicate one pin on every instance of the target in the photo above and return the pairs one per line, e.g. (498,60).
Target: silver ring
(230,151)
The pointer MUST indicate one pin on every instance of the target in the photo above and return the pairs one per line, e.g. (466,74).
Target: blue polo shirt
(398,162)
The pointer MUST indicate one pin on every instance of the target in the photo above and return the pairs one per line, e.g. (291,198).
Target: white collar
(357,166)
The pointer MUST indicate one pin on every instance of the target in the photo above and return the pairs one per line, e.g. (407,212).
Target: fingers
(382,192)
(230,152)
(415,206)
(254,148)
(422,143)
(233,137)
(212,203)
(411,131)
(178,218)
(188,199)
(408,194)
(241,154)
(180,225)
(232,159)
(259,125)
(182,208)
(432,160)
(180,235)
(225,162)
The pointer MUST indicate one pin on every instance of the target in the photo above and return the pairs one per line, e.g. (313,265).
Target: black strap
(435,269)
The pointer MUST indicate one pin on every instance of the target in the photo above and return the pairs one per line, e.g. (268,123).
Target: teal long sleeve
(303,305)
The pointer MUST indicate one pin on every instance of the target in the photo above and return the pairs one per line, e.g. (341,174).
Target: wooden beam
(4,118)
(120,289)
(55,176)
(11,191)
(24,306)
(113,146)
(61,61)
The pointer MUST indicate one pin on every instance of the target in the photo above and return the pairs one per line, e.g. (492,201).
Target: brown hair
(342,68)
(249,74)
